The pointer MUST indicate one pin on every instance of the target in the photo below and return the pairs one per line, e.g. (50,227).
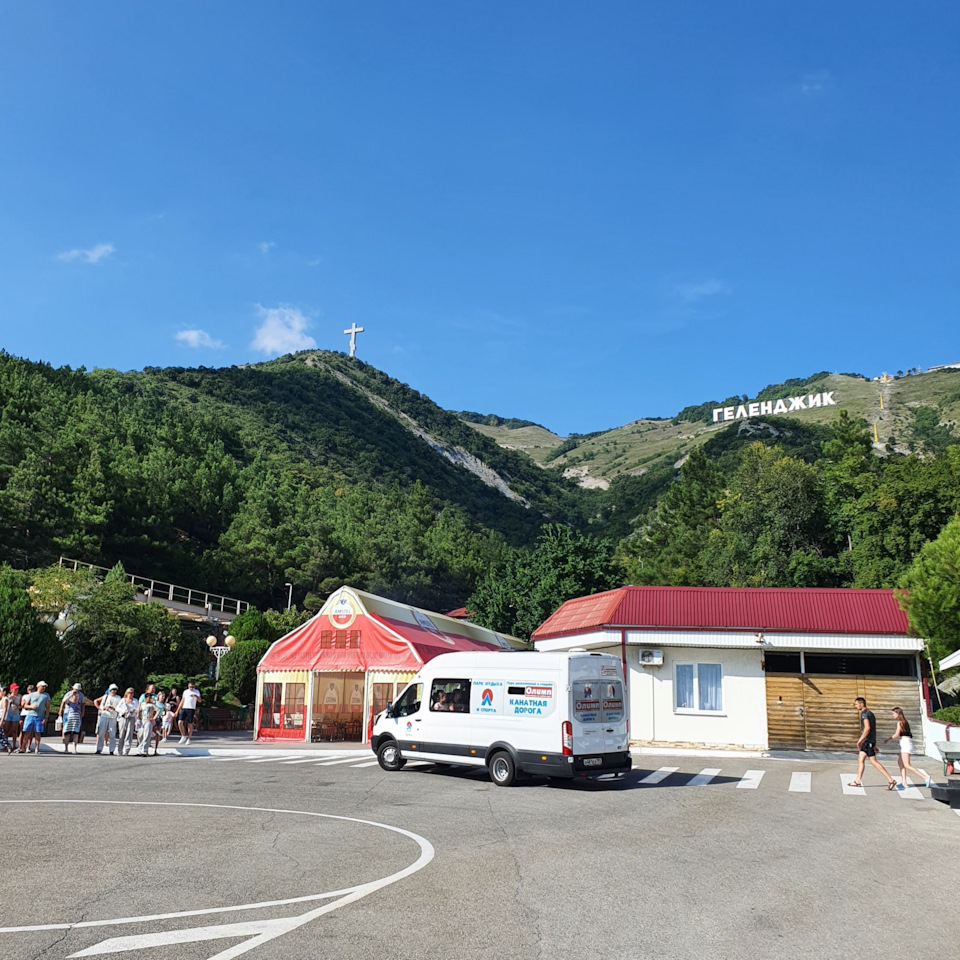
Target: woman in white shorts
(905,737)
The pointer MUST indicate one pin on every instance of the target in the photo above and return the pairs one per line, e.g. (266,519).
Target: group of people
(867,747)
(125,724)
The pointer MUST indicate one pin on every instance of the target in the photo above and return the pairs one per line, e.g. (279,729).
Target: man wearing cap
(36,709)
(107,705)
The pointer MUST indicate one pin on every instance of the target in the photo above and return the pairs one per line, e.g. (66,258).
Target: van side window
(450,696)
(409,701)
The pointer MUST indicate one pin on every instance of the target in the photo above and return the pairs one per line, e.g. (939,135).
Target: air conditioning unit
(651,658)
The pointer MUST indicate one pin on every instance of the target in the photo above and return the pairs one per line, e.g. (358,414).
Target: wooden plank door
(785,720)
(832,722)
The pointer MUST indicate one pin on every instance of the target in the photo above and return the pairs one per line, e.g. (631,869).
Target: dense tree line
(244,479)
(241,480)
(848,519)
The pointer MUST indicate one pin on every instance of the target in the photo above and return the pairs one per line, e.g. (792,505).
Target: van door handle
(608,730)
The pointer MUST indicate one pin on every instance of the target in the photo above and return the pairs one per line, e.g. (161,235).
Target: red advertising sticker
(542,692)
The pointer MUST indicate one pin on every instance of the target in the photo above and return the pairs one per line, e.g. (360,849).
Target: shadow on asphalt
(627,781)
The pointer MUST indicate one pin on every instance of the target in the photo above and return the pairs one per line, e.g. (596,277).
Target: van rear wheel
(503,771)
(388,756)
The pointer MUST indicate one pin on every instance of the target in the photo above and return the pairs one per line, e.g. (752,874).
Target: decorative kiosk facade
(751,669)
(327,679)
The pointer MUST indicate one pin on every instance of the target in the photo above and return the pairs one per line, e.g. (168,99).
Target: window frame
(696,710)
(447,686)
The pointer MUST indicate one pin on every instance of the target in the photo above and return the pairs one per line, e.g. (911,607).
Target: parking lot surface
(330,857)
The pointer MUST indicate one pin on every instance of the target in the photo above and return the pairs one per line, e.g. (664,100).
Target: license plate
(593,762)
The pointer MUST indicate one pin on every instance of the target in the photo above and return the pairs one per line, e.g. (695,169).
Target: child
(169,712)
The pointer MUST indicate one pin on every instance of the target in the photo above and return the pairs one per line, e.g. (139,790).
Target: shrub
(238,669)
(948,714)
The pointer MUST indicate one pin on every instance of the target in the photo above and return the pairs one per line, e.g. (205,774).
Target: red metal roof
(780,609)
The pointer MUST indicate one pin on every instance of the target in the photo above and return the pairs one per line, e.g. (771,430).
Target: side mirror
(389,710)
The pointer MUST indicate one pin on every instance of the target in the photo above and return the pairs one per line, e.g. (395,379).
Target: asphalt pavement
(321,854)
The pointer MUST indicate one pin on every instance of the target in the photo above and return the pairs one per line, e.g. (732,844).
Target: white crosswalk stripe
(751,780)
(703,777)
(846,781)
(911,792)
(659,775)
(800,782)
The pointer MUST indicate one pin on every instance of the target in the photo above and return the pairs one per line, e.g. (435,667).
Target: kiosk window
(409,702)
(698,688)
(450,696)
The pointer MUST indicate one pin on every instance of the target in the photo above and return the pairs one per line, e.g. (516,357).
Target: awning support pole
(308,719)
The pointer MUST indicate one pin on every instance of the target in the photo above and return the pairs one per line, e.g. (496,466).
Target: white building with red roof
(751,669)
(329,677)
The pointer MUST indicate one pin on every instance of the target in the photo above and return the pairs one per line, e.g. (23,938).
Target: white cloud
(813,84)
(700,290)
(93,255)
(265,246)
(198,338)
(282,331)
(315,262)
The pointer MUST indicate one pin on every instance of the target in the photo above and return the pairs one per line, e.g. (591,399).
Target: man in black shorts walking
(867,745)
(188,712)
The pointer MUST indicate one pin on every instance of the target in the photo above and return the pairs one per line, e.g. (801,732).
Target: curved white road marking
(349,894)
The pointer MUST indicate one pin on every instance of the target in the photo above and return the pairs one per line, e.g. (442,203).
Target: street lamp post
(220,651)
(289,595)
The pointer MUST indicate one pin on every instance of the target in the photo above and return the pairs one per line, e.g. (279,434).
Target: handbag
(58,723)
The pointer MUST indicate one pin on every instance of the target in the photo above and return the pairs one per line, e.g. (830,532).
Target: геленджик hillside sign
(765,408)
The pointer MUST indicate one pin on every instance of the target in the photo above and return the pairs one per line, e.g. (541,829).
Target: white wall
(743,722)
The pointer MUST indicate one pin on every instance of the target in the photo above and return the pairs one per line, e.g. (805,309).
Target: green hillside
(314,469)
(921,410)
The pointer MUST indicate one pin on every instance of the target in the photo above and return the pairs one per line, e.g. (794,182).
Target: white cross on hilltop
(353,331)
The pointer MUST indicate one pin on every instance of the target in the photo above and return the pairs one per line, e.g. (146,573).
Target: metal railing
(168,592)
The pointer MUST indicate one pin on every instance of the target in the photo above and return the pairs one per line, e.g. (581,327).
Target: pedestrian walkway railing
(169,594)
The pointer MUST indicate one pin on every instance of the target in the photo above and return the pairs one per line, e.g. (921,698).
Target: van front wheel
(503,771)
(389,756)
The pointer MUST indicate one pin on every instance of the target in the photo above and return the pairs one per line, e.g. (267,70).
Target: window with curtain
(710,696)
(685,699)
(698,687)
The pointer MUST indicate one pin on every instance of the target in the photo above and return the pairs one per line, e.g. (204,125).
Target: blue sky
(578,214)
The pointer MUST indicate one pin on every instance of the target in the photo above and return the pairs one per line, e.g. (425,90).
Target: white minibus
(548,714)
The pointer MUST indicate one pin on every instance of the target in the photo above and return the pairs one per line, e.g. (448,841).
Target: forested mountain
(316,469)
